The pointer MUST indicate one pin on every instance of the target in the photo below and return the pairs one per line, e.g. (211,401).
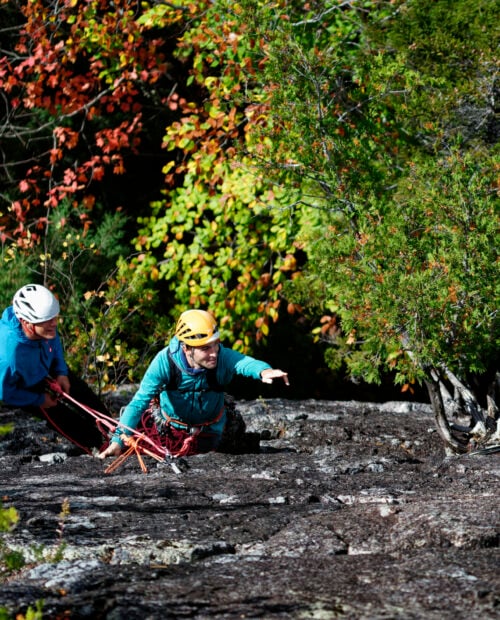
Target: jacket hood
(12,323)
(179,357)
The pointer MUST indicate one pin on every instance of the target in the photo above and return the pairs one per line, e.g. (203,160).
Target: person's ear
(28,327)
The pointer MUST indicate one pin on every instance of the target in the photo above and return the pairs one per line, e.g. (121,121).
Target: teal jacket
(193,401)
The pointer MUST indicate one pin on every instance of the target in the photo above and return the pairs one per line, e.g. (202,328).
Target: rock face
(349,510)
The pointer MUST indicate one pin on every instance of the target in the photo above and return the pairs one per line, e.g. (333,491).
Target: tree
(222,237)
(82,85)
(416,289)
(74,78)
(401,222)
(81,82)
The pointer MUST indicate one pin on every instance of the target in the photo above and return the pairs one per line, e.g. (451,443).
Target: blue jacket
(24,363)
(193,402)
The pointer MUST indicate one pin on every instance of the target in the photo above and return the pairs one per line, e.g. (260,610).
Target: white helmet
(35,303)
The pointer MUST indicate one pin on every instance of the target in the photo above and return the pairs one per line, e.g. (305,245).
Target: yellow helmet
(196,328)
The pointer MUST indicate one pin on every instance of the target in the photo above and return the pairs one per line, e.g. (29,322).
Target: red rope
(147,441)
(181,442)
(61,432)
(137,441)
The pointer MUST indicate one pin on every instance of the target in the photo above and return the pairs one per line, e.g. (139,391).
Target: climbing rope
(137,442)
(133,447)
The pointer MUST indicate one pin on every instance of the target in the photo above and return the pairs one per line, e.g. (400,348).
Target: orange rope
(130,440)
(136,442)
(133,447)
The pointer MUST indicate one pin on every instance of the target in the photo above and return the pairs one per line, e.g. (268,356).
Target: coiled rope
(137,442)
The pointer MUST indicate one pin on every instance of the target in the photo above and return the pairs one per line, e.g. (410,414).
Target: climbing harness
(183,439)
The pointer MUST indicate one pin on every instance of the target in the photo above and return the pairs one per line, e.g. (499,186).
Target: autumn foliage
(329,162)
(74,80)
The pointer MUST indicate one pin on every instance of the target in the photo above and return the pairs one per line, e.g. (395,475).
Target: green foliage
(9,560)
(396,234)
(116,329)
(8,518)
(32,613)
(405,261)
(222,239)
(444,37)
(420,278)
(17,269)
(450,225)
(5,429)
(74,253)
(225,250)
(329,125)
(357,135)
(453,46)
(110,322)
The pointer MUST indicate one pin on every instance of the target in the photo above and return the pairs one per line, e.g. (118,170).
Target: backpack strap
(176,378)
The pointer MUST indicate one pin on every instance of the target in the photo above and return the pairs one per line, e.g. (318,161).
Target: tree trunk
(482,426)
(443,427)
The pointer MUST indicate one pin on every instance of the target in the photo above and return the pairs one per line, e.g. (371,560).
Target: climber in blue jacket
(188,378)
(30,354)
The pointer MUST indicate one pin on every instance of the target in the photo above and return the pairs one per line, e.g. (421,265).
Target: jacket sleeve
(236,363)
(155,377)
(15,396)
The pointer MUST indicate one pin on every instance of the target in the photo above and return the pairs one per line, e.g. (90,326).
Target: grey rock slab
(349,510)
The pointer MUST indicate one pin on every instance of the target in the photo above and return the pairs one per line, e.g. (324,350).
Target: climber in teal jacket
(188,379)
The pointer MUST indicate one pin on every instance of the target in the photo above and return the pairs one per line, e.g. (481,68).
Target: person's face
(41,331)
(203,357)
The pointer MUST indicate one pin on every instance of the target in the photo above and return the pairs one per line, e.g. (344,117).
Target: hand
(49,401)
(114,449)
(63,383)
(269,374)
